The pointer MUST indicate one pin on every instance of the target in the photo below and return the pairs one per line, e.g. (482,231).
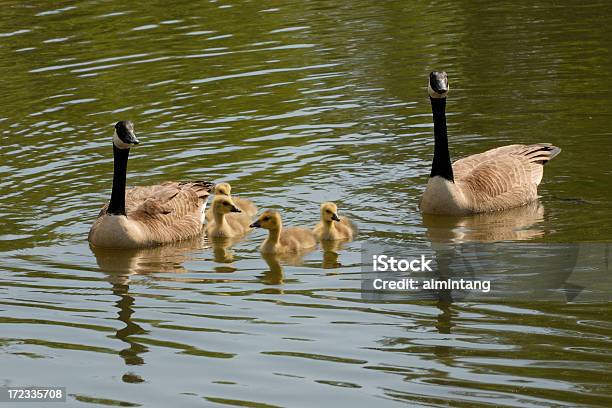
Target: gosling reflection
(223,254)
(275,275)
(331,254)
(517,224)
(119,265)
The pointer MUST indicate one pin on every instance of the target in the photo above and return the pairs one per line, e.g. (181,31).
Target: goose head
(223,189)
(124,136)
(329,212)
(224,205)
(438,84)
(270,220)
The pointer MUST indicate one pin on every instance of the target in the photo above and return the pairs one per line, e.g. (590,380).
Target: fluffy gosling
(281,241)
(221,224)
(332,227)
(247,206)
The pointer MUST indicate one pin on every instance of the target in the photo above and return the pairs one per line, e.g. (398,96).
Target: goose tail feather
(541,153)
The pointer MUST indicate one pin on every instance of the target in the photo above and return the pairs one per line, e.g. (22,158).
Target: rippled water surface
(294,103)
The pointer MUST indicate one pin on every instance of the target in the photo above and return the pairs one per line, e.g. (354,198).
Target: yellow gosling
(332,227)
(281,241)
(221,224)
(247,206)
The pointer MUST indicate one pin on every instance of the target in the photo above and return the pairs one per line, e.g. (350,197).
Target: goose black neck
(117,201)
(441,165)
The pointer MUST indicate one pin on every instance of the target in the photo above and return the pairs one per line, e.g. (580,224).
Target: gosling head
(124,136)
(224,205)
(269,220)
(223,189)
(438,84)
(329,212)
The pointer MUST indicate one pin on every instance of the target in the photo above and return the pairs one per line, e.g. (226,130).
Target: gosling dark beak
(235,209)
(256,224)
(438,82)
(335,217)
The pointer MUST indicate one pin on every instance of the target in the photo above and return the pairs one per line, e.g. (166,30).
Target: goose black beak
(256,224)
(335,217)
(438,81)
(236,209)
(132,139)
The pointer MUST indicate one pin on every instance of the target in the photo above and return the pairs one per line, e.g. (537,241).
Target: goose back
(159,214)
(504,177)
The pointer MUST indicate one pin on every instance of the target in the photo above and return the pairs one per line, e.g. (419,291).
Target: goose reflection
(517,224)
(119,265)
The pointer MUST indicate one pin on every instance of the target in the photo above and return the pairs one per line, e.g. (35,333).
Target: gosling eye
(265,218)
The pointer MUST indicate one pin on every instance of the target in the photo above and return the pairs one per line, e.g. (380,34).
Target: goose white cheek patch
(436,95)
(120,143)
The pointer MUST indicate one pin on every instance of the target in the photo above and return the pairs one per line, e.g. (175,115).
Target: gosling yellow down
(282,241)
(331,227)
(222,225)
(245,205)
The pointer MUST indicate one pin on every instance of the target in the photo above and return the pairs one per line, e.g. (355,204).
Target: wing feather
(504,177)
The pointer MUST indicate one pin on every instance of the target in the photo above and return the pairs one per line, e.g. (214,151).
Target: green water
(293,103)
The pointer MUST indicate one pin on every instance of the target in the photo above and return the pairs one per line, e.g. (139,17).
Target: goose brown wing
(171,200)
(504,177)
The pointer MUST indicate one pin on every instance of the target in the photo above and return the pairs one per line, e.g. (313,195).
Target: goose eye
(328,211)
(265,218)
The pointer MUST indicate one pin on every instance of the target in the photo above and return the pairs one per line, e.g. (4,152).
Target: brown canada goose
(147,216)
(225,226)
(332,227)
(281,240)
(497,179)
(246,206)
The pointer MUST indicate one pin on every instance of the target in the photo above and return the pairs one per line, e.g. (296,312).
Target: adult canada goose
(246,206)
(497,179)
(331,227)
(151,215)
(279,240)
(225,226)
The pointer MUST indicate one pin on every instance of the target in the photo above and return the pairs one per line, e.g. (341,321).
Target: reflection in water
(517,224)
(444,324)
(331,254)
(295,103)
(275,275)
(119,265)
(221,251)
(223,254)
